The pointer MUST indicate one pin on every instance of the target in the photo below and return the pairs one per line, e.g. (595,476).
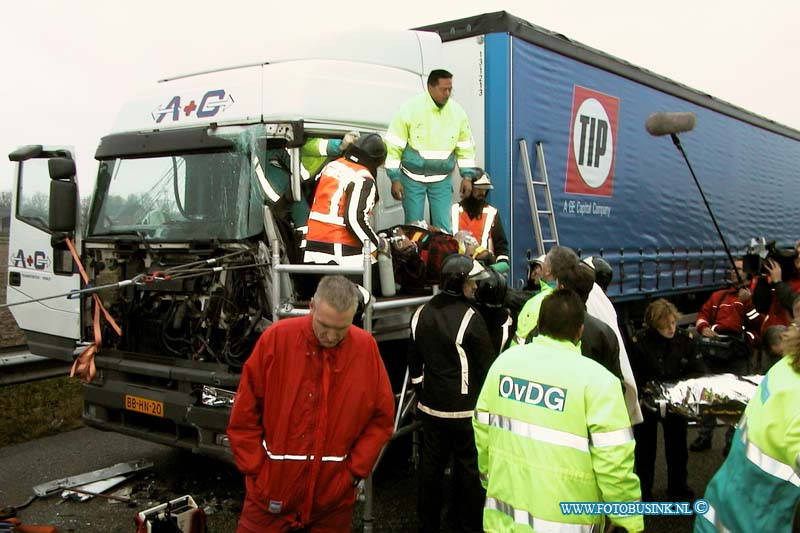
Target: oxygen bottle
(386,272)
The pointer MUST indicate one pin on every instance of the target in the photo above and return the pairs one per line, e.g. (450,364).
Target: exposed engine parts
(196,305)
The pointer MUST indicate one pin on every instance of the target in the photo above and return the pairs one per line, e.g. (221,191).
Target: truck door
(38,266)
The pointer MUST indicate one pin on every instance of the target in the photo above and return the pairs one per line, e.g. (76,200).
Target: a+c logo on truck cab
(211,103)
(590,163)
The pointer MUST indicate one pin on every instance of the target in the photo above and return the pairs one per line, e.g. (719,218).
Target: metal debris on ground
(90,490)
(50,487)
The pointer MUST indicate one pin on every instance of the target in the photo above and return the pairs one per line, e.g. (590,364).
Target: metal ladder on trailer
(546,235)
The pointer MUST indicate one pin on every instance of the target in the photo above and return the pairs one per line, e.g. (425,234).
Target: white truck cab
(180,232)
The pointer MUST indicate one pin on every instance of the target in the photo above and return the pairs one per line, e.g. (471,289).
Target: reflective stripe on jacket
(425,141)
(551,426)
(449,355)
(757,488)
(343,202)
(724,312)
(314,153)
(479,227)
(308,418)
(488,229)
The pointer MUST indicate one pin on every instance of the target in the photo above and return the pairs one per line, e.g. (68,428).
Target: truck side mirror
(63,194)
(25,152)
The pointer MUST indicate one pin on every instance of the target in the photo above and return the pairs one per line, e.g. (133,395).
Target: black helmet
(492,290)
(456,269)
(603,274)
(368,150)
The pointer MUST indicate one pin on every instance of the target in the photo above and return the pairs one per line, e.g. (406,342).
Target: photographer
(774,293)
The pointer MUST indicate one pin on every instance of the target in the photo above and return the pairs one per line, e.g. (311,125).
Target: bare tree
(5,198)
(86,202)
(36,206)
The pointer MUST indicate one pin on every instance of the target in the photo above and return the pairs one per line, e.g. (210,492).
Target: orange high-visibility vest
(326,222)
(481,228)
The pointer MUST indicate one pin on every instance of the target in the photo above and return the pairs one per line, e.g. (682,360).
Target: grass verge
(39,408)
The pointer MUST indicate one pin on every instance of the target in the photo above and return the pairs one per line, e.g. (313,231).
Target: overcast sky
(68,65)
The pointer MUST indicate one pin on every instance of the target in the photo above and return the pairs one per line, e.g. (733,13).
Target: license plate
(143,405)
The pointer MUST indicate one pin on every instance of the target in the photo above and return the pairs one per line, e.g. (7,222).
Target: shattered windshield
(193,196)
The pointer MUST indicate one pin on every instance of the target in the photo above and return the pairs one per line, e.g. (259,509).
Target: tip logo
(590,162)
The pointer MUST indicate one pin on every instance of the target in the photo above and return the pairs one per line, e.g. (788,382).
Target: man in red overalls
(313,410)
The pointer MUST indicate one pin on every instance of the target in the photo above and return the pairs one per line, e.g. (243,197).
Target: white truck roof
(357,78)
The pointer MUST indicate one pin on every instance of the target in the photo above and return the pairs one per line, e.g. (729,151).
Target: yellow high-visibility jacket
(425,142)
(551,427)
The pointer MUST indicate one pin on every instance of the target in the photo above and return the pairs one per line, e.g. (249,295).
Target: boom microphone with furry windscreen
(672,124)
(659,124)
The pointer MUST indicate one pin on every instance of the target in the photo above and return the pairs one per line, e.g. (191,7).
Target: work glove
(349,138)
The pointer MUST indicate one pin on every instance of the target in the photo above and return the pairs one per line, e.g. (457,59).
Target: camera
(759,251)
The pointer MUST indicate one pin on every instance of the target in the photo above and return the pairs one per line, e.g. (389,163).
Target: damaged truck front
(182,214)
(181,243)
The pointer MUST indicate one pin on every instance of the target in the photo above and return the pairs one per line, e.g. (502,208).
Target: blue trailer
(178,186)
(617,191)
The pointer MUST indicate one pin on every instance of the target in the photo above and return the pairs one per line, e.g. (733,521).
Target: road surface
(217,486)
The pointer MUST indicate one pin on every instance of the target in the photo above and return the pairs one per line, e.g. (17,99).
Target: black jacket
(498,322)
(451,352)
(657,358)
(599,342)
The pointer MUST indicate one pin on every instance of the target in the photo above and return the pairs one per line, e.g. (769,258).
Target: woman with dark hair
(663,353)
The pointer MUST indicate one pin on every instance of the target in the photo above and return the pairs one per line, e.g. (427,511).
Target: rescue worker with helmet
(476,215)
(551,426)
(273,169)
(535,279)
(449,355)
(490,298)
(557,261)
(339,220)
(427,137)
(315,153)
(516,298)
(603,274)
